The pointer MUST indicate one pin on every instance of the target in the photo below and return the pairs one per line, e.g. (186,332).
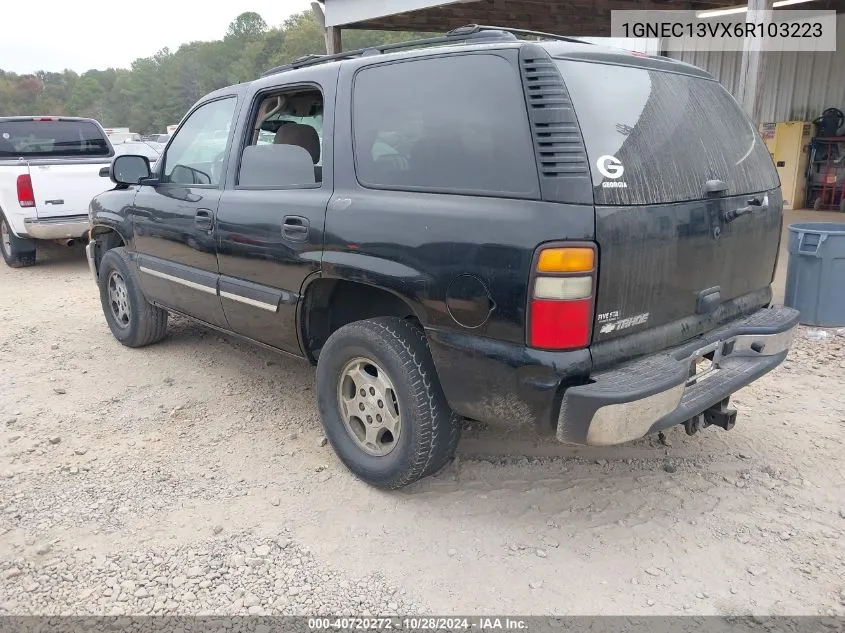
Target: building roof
(481,39)
(566,17)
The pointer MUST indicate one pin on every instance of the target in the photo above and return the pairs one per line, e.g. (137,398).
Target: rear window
(34,139)
(656,137)
(454,124)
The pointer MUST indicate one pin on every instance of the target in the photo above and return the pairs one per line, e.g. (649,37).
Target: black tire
(145,323)
(18,253)
(429,429)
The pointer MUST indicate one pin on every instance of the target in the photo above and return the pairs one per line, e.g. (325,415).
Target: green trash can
(815,274)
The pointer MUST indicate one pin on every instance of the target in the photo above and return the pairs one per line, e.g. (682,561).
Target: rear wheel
(11,247)
(381,403)
(132,319)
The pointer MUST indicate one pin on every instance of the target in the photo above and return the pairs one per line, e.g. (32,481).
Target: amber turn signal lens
(566,260)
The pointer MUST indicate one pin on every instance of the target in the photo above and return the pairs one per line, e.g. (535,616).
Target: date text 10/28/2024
(421,623)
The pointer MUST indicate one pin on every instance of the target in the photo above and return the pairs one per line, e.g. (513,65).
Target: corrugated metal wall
(798,85)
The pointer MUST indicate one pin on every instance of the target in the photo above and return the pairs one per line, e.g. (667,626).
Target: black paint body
(460,262)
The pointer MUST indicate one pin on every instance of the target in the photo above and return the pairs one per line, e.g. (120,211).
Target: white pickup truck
(49,172)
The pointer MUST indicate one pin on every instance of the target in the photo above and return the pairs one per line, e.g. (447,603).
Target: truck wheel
(11,247)
(381,403)
(133,320)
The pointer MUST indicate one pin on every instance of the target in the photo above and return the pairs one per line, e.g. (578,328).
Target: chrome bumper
(57,228)
(90,254)
(663,390)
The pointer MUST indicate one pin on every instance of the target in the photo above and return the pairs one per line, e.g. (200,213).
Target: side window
(197,152)
(286,144)
(452,124)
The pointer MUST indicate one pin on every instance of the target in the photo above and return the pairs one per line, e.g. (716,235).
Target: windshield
(656,137)
(50,138)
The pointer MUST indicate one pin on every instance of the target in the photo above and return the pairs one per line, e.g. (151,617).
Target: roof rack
(461,34)
(541,34)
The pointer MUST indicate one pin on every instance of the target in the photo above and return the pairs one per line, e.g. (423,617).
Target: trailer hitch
(717,415)
(721,416)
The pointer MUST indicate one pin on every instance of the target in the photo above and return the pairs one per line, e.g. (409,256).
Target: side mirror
(130,169)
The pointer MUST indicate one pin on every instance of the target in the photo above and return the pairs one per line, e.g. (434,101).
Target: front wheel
(132,319)
(381,403)
(11,248)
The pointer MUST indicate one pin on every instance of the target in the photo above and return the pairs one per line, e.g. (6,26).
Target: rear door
(270,221)
(64,158)
(688,204)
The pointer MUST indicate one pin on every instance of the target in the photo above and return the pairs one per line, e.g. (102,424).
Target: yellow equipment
(788,143)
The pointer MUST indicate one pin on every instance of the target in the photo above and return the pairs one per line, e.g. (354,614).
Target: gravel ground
(190,477)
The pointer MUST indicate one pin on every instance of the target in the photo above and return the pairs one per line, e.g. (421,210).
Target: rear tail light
(26,196)
(563,288)
(560,311)
(566,260)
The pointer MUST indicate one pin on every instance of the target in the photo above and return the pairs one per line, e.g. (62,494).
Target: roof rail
(460,34)
(542,34)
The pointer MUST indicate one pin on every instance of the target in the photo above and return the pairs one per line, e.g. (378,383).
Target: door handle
(203,220)
(295,228)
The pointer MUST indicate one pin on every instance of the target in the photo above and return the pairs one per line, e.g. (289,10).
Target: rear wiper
(715,186)
(754,204)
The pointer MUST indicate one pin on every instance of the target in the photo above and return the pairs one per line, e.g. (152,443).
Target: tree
(247,25)
(157,91)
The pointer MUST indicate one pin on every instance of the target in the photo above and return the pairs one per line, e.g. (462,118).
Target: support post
(752,74)
(334,40)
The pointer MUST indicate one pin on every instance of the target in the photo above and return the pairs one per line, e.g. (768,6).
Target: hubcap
(119,299)
(5,237)
(369,406)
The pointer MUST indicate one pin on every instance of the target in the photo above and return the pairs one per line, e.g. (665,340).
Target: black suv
(474,226)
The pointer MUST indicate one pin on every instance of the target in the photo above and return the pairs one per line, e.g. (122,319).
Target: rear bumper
(510,384)
(57,228)
(657,392)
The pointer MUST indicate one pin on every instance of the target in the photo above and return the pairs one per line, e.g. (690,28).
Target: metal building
(791,86)
(798,85)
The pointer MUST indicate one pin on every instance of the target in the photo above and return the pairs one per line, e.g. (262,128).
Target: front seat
(305,137)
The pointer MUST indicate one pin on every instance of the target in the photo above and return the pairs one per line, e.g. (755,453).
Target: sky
(57,34)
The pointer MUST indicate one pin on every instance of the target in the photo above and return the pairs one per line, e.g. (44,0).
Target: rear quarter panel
(15,214)
(419,245)
(66,188)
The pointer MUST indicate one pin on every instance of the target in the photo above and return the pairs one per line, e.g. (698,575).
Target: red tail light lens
(26,196)
(561,324)
(560,310)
